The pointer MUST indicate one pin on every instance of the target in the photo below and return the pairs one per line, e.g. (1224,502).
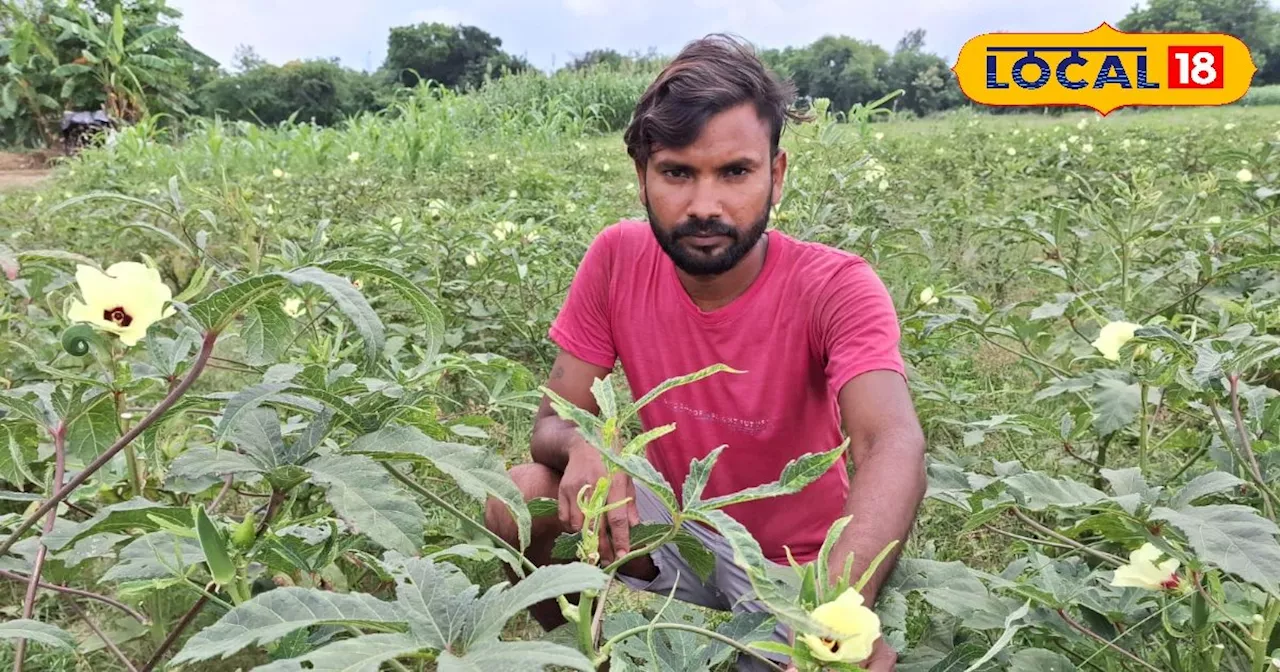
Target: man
(702,283)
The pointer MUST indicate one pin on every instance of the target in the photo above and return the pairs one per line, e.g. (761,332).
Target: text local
(1112,71)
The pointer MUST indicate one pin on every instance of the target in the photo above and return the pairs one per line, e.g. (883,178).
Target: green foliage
(453,56)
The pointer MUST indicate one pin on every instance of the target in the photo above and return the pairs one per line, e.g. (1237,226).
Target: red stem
(51,504)
(33,584)
(15,576)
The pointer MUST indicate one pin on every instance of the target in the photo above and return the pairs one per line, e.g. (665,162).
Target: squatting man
(704,281)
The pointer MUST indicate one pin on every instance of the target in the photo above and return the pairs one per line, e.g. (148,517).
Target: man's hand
(585,469)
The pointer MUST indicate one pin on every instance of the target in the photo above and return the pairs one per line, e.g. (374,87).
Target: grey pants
(727,589)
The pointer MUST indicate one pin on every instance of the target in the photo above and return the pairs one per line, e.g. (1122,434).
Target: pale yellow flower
(1062,146)
(277,172)
(509,227)
(879,136)
(293,306)
(1113,336)
(1245,175)
(125,300)
(1087,148)
(1010,151)
(884,184)
(928,297)
(353,157)
(1126,144)
(1083,122)
(1072,139)
(1228,126)
(857,626)
(470,259)
(1213,220)
(1143,572)
(500,234)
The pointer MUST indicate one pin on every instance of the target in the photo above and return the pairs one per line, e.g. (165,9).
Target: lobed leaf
(478,472)
(796,476)
(363,494)
(1233,537)
(25,628)
(276,613)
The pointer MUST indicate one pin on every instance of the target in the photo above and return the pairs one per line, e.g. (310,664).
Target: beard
(697,263)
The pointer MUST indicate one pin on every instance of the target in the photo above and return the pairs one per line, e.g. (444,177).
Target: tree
(607,58)
(926,80)
(1255,22)
(846,70)
(246,58)
(454,56)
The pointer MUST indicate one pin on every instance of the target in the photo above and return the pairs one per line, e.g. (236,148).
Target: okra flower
(125,300)
(928,297)
(1143,572)
(857,626)
(1113,336)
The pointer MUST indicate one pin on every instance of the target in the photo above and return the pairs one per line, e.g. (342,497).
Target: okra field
(283,464)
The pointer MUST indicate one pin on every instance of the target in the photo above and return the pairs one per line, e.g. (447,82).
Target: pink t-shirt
(813,319)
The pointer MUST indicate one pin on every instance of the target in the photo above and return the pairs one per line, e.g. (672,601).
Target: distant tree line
(128,57)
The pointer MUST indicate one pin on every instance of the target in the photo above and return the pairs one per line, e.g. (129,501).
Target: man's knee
(534,481)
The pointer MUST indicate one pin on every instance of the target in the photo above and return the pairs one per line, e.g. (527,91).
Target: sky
(550,33)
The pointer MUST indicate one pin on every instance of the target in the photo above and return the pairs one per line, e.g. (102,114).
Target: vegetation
(360,340)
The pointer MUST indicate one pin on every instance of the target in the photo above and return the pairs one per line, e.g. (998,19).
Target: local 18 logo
(1104,69)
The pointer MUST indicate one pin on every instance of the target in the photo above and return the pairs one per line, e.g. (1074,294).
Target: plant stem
(226,485)
(1065,539)
(1143,427)
(1187,465)
(111,646)
(1086,631)
(439,501)
(586,641)
(51,504)
(1246,446)
(1029,540)
(15,576)
(33,583)
(1101,462)
(641,629)
(599,618)
(177,630)
(1262,634)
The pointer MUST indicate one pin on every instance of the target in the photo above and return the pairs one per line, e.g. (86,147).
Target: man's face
(709,203)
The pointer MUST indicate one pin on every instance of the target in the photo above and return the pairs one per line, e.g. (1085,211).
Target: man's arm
(887,447)
(553,437)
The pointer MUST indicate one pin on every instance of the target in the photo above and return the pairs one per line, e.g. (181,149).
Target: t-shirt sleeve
(857,326)
(582,327)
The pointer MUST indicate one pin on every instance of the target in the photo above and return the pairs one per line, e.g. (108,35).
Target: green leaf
(959,658)
(363,494)
(350,301)
(498,656)
(366,653)
(606,399)
(23,408)
(257,434)
(1233,537)
(489,615)
(276,613)
(1037,492)
(1005,637)
(1039,660)
(217,310)
(94,430)
(1115,405)
(824,555)
(796,475)
(267,331)
(699,472)
(543,506)
(641,470)
(70,70)
(589,426)
(637,445)
(17,451)
(433,338)
(25,628)
(349,413)
(214,549)
(673,383)
(480,473)
(134,514)
(747,555)
(242,405)
(201,462)
(156,555)
(1205,484)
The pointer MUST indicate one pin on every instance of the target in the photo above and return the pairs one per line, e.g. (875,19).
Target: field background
(1032,231)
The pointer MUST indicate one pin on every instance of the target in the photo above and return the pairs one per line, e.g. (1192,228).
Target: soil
(23,170)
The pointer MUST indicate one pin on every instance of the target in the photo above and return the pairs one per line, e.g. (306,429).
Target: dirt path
(18,171)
